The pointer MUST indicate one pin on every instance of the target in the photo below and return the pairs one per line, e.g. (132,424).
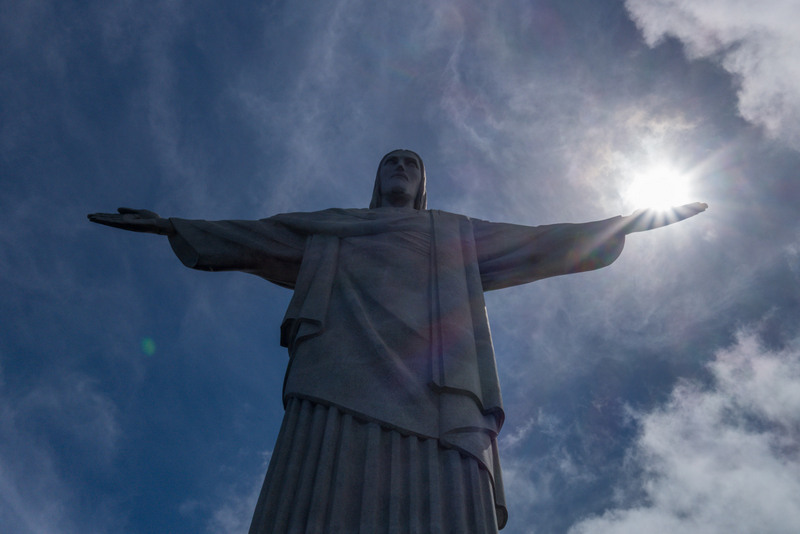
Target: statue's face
(400,177)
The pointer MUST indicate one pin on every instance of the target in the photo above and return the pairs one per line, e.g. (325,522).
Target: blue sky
(658,395)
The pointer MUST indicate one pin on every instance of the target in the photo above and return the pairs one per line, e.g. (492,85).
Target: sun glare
(660,188)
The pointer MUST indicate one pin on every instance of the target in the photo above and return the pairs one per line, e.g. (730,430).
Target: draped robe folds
(387,320)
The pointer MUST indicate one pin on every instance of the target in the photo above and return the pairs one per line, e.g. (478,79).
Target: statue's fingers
(695,206)
(690,210)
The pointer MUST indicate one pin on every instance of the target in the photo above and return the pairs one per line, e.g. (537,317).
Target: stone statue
(391,394)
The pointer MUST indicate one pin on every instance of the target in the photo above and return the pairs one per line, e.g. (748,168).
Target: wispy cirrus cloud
(36,494)
(234,510)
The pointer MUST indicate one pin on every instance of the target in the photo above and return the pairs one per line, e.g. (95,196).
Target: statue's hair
(420,200)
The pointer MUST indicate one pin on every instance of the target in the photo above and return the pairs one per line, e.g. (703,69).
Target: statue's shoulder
(363,213)
(451,218)
(353,221)
(447,214)
(321,215)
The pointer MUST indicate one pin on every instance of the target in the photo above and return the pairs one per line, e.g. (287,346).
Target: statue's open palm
(134,220)
(648,219)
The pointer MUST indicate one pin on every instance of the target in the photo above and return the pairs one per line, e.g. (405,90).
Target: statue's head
(400,172)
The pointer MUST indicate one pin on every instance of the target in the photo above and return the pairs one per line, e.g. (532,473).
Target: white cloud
(757,42)
(722,459)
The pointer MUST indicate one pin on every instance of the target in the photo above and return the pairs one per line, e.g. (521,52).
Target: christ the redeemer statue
(391,394)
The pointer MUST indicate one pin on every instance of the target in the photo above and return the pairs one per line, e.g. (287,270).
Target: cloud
(756,42)
(518,435)
(720,459)
(235,510)
(36,494)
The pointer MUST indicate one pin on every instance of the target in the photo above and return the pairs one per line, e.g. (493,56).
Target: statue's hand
(648,219)
(135,221)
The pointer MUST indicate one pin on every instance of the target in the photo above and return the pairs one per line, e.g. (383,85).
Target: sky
(660,394)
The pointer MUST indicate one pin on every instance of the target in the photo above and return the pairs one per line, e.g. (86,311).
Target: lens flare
(148,346)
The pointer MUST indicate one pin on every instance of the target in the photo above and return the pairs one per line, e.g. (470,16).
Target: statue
(392,400)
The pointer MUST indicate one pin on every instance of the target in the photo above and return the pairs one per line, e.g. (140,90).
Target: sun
(659,187)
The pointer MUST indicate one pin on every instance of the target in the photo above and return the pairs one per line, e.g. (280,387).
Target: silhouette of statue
(391,394)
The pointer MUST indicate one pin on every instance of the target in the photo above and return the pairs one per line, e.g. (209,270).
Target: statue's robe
(392,400)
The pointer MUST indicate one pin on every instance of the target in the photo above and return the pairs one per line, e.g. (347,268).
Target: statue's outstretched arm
(648,219)
(135,221)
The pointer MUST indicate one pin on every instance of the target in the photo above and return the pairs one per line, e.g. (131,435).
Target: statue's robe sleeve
(511,254)
(472,256)
(265,248)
